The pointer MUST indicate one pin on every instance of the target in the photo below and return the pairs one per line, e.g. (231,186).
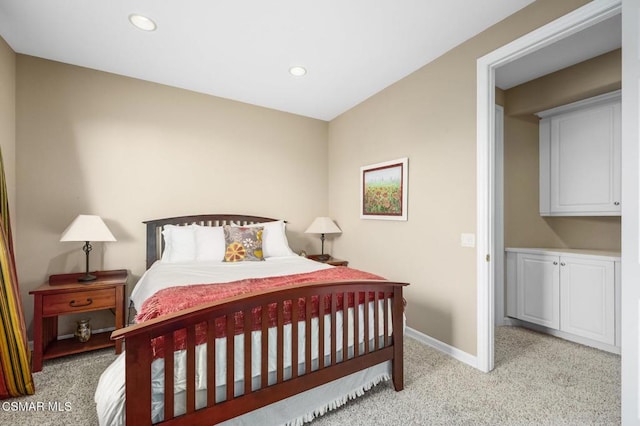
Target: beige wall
(129,150)
(8,122)
(524,227)
(430,117)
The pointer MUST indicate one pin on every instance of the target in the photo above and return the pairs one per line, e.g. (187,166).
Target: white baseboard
(455,353)
(566,336)
(508,321)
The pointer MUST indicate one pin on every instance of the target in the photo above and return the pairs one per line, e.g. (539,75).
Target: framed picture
(383,190)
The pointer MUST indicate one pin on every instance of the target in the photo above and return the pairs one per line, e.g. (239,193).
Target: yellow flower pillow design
(243,244)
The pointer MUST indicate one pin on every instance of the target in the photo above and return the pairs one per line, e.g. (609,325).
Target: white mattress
(109,396)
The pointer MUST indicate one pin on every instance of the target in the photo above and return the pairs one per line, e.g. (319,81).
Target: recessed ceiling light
(297,71)
(142,22)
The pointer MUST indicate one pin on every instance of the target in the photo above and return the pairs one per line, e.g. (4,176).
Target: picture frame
(383,190)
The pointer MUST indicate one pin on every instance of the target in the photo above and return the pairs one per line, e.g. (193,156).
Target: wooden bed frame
(138,339)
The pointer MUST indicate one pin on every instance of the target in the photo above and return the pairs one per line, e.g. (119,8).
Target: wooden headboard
(155,243)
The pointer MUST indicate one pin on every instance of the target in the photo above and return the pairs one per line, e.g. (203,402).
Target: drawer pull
(73,303)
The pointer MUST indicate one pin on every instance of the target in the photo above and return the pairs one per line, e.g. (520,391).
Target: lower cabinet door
(587,303)
(538,289)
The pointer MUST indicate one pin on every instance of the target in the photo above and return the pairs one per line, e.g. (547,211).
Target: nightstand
(331,261)
(63,295)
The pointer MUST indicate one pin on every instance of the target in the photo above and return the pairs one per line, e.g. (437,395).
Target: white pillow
(179,243)
(210,244)
(274,239)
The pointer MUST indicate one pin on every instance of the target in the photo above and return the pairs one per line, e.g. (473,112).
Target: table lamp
(322,226)
(87,228)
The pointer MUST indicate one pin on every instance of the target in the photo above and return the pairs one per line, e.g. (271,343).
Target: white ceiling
(596,40)
(242,49)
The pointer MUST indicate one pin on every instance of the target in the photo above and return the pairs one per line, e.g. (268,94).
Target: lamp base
(323,257)
(87,278)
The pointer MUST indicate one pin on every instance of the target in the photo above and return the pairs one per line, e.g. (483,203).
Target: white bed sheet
(162,274)
(109,396)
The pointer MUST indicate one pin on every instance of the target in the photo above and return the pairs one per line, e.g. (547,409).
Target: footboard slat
(334,326)
(211,361)
(308,333)
(345,326)
(356,327)
(366,322)
(321,338)
(294,338)
(376,320)
(280,357)
(230,356)
(191,369)
(386,297)
(168,375)
(247,352)
(264,340)
(385,336)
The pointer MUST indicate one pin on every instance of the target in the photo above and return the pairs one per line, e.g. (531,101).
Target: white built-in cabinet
(538,289)
(574,294)
(580,158)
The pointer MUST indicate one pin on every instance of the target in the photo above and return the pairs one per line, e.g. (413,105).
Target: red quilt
(175,299)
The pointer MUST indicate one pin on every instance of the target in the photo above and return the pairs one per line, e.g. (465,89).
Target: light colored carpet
(70,380)
(538,380)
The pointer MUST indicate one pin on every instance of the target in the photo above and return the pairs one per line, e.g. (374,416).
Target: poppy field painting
(383,190)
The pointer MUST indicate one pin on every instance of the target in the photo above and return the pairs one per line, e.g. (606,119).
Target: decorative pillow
(274,238)
(179,243)
(210,244)
(243,243)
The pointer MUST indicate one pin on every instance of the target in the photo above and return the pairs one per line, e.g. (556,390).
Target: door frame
(498,221)
(584,17)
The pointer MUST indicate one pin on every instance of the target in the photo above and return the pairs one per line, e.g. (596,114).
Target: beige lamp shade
(323,225)
(87,228)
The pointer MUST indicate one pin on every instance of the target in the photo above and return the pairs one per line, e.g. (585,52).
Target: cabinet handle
(616,203)
(555,263)
(73,303)
(563,264)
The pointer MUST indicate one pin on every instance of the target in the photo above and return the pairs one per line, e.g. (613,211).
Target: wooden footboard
(376,349)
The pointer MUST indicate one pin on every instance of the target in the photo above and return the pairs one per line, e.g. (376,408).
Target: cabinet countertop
(610,254)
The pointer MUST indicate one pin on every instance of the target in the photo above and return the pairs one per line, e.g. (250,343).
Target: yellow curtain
(15,358)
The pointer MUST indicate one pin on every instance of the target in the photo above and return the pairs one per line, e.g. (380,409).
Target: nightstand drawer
(78,301)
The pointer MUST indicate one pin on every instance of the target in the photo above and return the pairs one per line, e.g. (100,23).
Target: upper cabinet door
(580,161)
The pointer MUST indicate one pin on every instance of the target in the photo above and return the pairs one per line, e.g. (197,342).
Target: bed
(304,336)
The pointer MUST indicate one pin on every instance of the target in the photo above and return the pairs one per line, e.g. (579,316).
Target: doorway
(488,247)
